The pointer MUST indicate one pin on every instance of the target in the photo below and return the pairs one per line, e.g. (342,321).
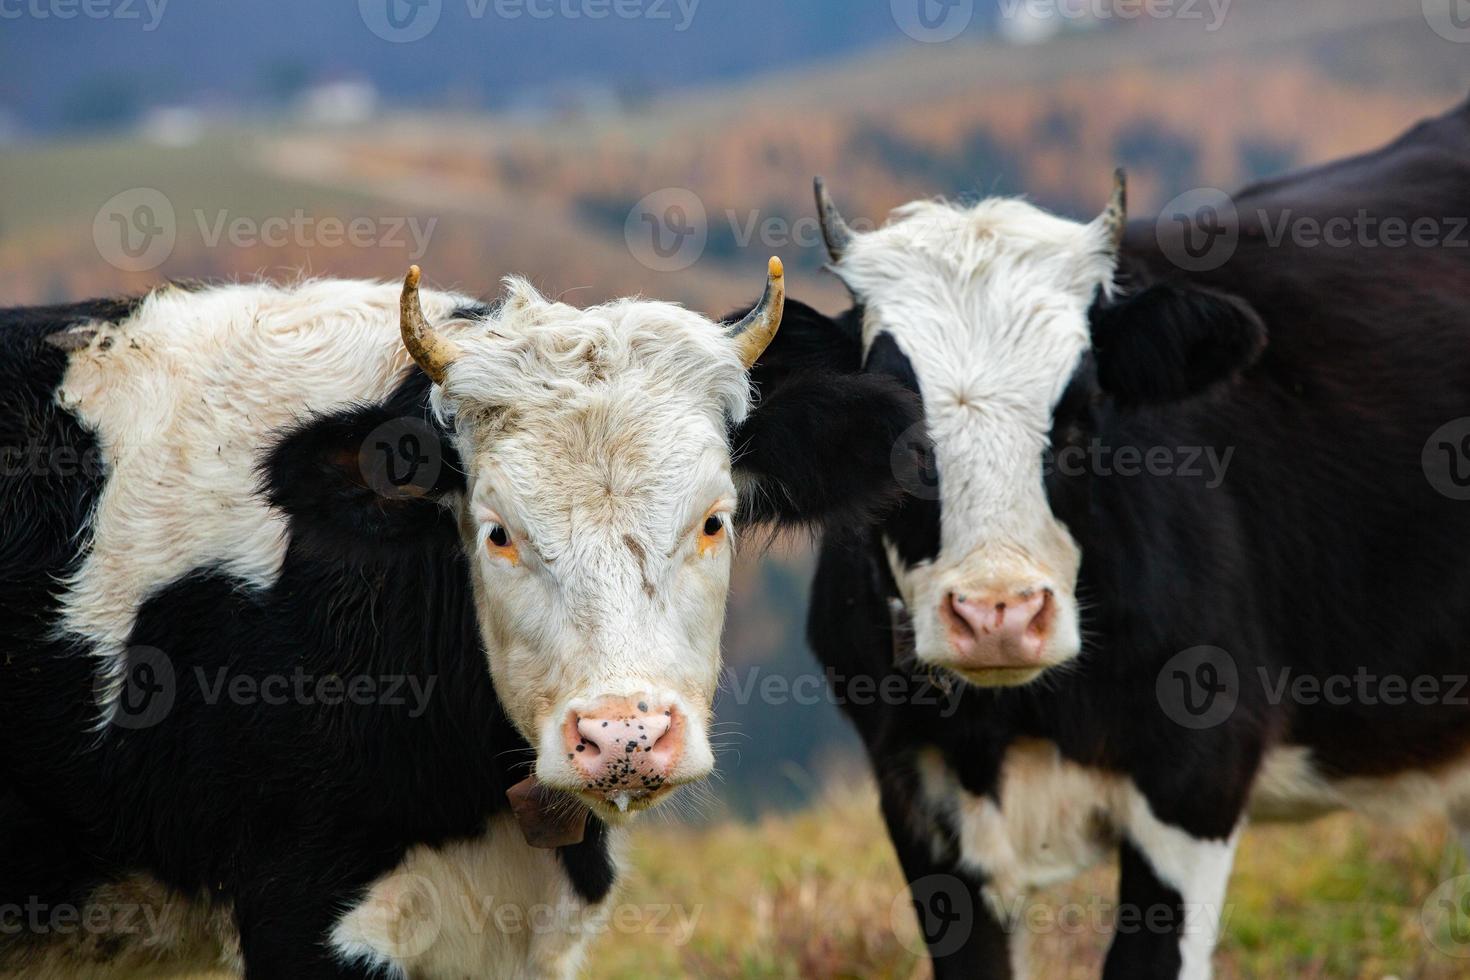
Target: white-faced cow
(254,563)
(1145,505)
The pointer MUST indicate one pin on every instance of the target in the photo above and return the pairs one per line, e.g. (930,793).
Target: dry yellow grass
(818,894)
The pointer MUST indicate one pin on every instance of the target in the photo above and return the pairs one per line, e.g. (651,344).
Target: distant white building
(343,102)
(173,126)
(1036,21)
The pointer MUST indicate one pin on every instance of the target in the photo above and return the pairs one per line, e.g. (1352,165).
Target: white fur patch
(490,907)
(183,397)
(1199,870)
(990,305)
(1056,819)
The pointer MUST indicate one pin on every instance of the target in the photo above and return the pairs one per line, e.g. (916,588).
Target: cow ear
(366,481)
(1170,340)
(818,449)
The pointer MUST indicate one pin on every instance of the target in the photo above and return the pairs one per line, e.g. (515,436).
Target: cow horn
(835,231)
(1114,218)
(755,333)
(430,351)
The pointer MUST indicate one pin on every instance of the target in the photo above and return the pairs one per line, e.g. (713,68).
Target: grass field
(818,894)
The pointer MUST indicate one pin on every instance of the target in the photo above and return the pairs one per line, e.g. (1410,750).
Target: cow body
(1205,594)
(167,407)
(252,567)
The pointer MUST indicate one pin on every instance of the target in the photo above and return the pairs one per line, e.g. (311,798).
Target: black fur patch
(912,526)
(819,449)
(367,481)
(1148,921)
(1074,423)
(51,472)
(475,311)
(588,863)
(1172,340)
(819,445)
(50,467)
(809,341)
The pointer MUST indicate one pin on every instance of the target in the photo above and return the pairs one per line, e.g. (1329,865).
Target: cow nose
(998,628)
(624,747)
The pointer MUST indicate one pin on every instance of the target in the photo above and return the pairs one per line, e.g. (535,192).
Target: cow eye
(498,541)
(711,531)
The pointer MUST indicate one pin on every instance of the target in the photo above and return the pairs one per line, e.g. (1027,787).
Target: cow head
(591,479)
(598,515)
(1002,319)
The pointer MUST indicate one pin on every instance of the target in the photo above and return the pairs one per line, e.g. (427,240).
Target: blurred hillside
(572,194)
(1280,84)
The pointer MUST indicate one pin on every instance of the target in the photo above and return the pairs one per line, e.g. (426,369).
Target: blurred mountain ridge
(134,55)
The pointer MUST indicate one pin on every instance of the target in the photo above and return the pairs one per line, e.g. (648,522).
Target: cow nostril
(655,732)
(591,739)
(956,618)
(1040,624)
(664,738)
(623,738)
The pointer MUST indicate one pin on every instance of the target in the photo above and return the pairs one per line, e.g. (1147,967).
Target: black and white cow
(1144,504)
(254,563)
